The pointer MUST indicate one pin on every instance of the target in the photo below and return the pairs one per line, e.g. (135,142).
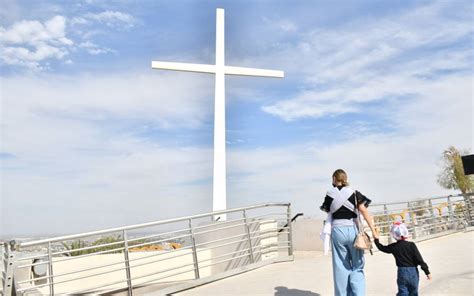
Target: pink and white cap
(399,231)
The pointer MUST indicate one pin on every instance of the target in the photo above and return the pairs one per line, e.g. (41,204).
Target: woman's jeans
(407,281)
(347,262)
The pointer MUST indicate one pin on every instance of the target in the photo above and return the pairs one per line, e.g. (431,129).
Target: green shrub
(79,244)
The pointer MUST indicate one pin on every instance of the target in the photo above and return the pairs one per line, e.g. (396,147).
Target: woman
(347,261)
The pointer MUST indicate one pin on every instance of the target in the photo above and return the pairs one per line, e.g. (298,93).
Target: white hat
(399,231)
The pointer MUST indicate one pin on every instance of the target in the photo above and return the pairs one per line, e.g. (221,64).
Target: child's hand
(376,233)
(429,277)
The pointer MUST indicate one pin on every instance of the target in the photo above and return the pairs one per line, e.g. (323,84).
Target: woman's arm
(365,213)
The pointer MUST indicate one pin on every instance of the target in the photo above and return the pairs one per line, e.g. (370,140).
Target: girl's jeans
(407,281)
(347,262)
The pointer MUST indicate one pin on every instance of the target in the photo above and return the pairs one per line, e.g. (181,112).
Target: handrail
(292,220)
(142,225)
(423,199)
(426,217)
(214,240)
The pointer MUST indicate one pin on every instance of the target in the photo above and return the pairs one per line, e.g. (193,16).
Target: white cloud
(77,139)
(365,61)
(112,18)
(32,44)
(68,155)
(163,99)
(372,59)
(28,43)
(288,26)
(70,146)
(387,167)
(114,181)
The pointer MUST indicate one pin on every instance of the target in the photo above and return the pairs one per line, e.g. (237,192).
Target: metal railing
(163,253)
(291,221)
(425,218)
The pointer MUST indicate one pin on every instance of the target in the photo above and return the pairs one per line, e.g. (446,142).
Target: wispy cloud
(114,19)
(387,166)
(155,98)
(415,67)
(284,25)
(94,49)
(375,59)
(78,137)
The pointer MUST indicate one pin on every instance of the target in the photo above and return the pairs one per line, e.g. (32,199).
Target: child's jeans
(407,281)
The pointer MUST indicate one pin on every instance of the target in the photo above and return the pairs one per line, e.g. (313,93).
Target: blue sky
(92,137)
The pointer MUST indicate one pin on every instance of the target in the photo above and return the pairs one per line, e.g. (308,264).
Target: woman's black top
(406,254)
(343,212)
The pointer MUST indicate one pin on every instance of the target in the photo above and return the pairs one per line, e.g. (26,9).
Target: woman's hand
(429,277)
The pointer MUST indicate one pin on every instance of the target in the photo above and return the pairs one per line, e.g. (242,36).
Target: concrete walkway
(450,259)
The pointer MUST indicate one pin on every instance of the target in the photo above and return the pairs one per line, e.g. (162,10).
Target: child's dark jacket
(406,254)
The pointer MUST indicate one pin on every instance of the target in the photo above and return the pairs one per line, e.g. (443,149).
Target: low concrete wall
(140,266)
(306,235)
(241,258)
(66,268)
(231,229)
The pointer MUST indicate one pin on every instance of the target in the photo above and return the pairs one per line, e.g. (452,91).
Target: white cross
(220,70)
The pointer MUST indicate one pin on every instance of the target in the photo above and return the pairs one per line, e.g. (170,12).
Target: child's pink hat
(399,231)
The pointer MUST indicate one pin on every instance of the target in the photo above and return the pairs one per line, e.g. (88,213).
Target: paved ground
(450,259)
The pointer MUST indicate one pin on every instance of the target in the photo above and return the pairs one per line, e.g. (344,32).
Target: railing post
(127,263)
(249,238)
(195,258)
(387,216)
(431,208)
(433,218)
(290,239)
(50,269)
(469,213)
(411,210)
(450,211)
(9,270)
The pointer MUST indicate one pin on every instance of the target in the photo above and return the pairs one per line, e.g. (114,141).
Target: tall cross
(220,70)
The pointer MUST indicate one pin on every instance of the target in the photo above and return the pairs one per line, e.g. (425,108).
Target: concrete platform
(450,259)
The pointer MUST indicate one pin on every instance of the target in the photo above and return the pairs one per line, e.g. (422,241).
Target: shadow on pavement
(284,291)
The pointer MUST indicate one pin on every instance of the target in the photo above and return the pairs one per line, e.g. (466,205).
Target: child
(407,258)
